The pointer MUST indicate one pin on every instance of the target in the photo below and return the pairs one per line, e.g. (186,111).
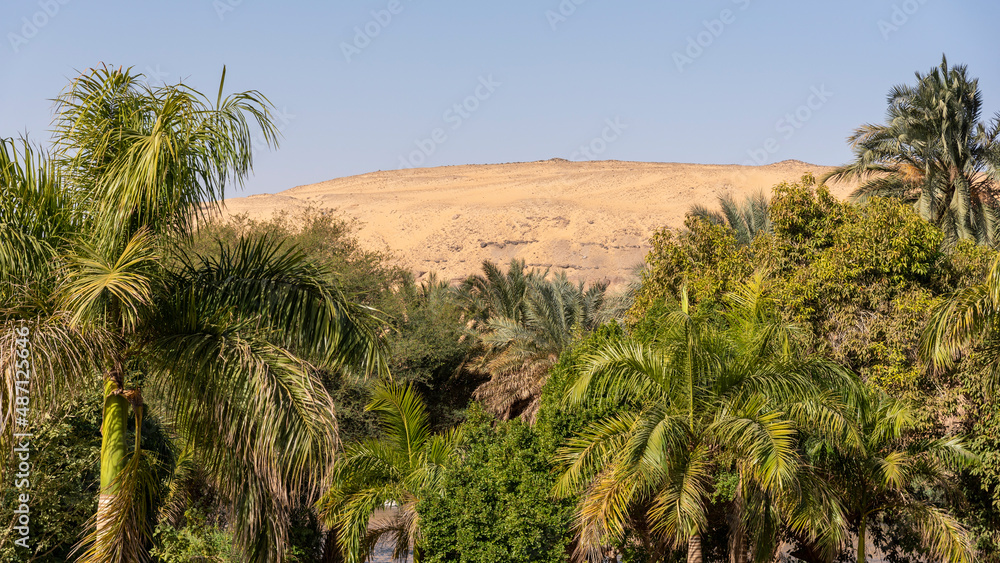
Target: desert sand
(589,219)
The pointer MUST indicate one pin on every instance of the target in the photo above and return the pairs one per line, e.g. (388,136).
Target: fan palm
(700,400)
(227,344)
(747,219)
(520,352)
(390,471)
(934,152)
(892,474)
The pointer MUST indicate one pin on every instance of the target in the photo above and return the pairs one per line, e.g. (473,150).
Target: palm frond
(153,157)
(262,279)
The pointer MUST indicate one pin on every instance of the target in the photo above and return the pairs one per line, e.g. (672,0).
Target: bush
(64,444)
(496,505)
(197,540)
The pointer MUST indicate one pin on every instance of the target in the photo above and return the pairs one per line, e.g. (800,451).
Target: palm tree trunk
(737,529)
(862,540)
(113,445)
(331,548)
(694,549)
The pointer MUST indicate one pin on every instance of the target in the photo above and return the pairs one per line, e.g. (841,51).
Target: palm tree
(969,318)
(892,474)
(392,470)
(521,351)
(935,153)
(496,293)
(38,222)
(227,346)
(695,402)
(747,219)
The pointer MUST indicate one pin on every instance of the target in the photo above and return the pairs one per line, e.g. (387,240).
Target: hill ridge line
(591,219)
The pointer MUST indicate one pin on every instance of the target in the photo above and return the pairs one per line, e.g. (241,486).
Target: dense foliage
(862,281)
(794,373)
(495,504)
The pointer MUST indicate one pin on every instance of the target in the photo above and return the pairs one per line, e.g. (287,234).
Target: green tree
(747,219)
(701,400)
(433,348)
(225,347)
(898,477)
(494,505)
(934,152)
(520,351)
(388,474)
(63,443)
(704,258)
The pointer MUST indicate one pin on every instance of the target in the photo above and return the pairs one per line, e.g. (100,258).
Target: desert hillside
(591,219)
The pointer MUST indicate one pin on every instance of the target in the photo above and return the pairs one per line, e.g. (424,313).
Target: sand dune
(591,219)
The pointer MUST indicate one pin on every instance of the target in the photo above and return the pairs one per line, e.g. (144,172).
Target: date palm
(392,470)
(747,219)
(496,293)
(227,345)
(521,351)
(934,152)
(699,400)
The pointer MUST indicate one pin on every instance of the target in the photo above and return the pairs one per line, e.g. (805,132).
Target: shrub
(496,505)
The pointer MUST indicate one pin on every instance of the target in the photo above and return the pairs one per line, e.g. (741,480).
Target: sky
(365,85)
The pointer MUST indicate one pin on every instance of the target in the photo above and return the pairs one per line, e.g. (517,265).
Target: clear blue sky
(550,74)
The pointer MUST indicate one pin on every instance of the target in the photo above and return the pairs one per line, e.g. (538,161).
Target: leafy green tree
(861,279)
(433,348)
(63,443)
(388,474)
(933,152)
(704,258)
(895,476)
(700,400)
(494,505)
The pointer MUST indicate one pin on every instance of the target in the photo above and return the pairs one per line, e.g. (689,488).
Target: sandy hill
(591,219)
